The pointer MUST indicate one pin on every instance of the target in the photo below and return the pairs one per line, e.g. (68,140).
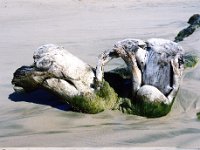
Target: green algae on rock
(194,22)
(190,60)
(198,115)
(76,83)
(152,109)
(154,68)
(144,108)
(103,99)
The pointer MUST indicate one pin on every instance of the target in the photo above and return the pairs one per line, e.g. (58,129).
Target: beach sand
(86,28)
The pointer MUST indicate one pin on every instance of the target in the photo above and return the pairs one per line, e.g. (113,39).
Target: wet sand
(86,28)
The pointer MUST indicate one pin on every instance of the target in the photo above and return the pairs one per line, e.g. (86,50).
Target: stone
(194,22)
(65,75)
(155,62)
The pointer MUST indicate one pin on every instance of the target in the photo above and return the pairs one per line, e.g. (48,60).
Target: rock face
(194,22)
(157,63)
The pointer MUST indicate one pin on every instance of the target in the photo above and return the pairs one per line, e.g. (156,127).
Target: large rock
(65,75)
(155,62)
(147,86)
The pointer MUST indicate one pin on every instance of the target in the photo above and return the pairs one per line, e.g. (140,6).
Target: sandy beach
(86,28)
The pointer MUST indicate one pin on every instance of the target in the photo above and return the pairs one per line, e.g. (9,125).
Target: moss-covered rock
(102,99)
(144,108)
(190,60)
(194,22)
(152,109)
(185,33)
(198,115)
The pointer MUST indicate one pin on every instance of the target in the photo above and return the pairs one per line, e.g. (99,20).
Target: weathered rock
(61,64)
(149,63)
(65,75)
(156,62)
(155,67)
(146,87)
(54,69)
(194,22)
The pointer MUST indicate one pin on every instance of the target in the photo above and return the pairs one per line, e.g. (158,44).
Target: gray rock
(157,63)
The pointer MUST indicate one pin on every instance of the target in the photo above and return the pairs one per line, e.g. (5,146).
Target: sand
(86,28)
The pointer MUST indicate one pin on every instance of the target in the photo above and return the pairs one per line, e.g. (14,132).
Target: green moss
(106,98)
(198,115)
(190,60)
(102,99)
(125,106)
(144,108)
(153,110)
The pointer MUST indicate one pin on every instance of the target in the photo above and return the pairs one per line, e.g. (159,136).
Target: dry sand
(85,28)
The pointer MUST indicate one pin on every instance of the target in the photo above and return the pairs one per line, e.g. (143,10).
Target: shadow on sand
(42,97)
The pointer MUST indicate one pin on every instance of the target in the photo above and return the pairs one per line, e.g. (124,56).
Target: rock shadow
(42,97)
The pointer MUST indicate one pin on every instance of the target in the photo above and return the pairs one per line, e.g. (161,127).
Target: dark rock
(194,22)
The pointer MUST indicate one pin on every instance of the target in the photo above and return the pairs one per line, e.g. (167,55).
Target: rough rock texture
(75,82)
(156,62)
(61,64)
(65,75)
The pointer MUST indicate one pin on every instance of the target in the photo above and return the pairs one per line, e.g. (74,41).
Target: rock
(194,22)
(190,60)
(147,86)
(151,78)
(155,67)
(65,75)
(156,62)
(148,93)
(61,64)
(198,115)
(195,19)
